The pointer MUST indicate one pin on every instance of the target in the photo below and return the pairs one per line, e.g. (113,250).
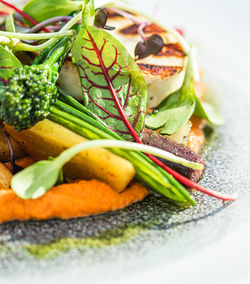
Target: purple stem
(141,24)
(39,26)
(54,28)
(14,167)
(126,15)
(140,29)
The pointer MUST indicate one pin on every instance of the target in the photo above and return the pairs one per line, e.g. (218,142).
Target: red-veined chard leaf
(8,63)
(113,85)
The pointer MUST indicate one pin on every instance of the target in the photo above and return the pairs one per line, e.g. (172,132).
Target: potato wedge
(4,148)
(5,177)
(47,138)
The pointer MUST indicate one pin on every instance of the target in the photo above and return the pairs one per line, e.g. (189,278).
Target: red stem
(180,31)
(26,16)
(176,175)
(3,13)
(191,184)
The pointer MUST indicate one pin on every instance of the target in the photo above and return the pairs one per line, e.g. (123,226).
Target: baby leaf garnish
(9,23)
(207,111)
(8,64)
(36,180)
(101,18)
(113,85)
(46,9)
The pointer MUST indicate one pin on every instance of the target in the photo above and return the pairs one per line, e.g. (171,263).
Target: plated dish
(119,91)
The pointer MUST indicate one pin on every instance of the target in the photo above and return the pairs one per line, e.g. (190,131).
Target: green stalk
(35,48)
(40,36)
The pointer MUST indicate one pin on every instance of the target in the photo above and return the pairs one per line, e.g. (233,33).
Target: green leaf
(88,13)
(113,85)
(177,117)
(9,24)
(41,10)
(8,64)
(176,109)
(207,111)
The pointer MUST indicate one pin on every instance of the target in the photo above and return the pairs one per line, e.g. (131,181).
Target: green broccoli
(32,90)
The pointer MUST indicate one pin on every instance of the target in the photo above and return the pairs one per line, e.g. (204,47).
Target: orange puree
(69,201)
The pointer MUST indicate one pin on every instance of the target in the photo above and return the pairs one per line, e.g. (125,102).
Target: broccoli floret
(32,90)
(29,96)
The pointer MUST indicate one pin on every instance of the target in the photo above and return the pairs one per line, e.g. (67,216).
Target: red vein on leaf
(3,13)
(117,74)
(87,48)
(5,67)
(90,81)
(127,95)
(138,114)
(25,15)
(4,81)
(115,60)
(89,62)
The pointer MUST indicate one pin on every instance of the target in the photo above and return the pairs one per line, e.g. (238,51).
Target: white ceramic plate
(206,244)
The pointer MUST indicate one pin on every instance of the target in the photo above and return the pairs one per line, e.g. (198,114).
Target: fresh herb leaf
(113,85)
(60,179)
(46,9)
(8,64)
(88,13)
(176,109)
(207,111)
(34,181)
(9,24)
(172,119)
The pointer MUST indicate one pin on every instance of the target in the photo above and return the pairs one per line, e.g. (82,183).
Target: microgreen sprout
(101,18)
(149,44)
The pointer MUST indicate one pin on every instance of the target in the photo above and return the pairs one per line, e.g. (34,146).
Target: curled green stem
(34,48)
(35,36)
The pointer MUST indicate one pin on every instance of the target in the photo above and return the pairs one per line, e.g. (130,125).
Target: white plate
(206,244)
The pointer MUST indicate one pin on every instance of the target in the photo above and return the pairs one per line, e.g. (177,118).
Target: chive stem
(34,36)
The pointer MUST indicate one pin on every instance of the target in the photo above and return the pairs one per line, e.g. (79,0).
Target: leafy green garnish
(177,108)
(88,13)
(34,181)
(41,10)
(113,85)
(207,111)
(8,64)
(9,23)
